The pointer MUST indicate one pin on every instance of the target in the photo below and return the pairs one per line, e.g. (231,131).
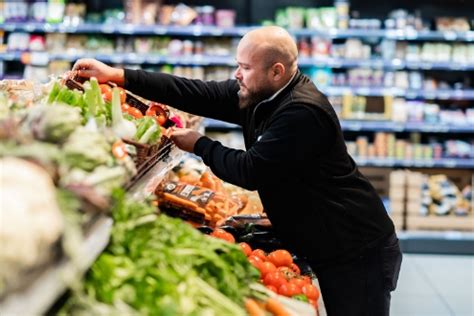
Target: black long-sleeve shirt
(314,195)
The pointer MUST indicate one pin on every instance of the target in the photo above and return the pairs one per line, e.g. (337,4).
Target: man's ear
(279,71)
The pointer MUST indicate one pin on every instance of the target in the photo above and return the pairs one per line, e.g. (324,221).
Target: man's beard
(253,97)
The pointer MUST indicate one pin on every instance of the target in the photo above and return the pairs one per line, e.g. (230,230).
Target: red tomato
(295,268)
(313,302)
(280,258)
(105,88)
(272,288)
(222,234)
(286,272)
(289,290)
(134,112)
(255,261)
(107,96)
(246,248)
(274,278)
(310,291)
(298,282)
(125,107)
(266,267)
(259,253)
(306,279)
(161,120)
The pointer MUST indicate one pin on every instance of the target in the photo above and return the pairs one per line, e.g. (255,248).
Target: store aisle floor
(432,285)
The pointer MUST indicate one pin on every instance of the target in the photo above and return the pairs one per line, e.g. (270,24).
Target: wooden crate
(398,221)
(396,193)
(464,223)
(397,207)
(379,178)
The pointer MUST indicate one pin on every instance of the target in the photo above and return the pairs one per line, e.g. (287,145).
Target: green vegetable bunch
(162,266)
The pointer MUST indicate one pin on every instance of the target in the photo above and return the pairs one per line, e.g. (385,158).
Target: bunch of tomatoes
(155,109)
(278,271)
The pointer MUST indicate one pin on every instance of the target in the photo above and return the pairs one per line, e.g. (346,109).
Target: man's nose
(237,74)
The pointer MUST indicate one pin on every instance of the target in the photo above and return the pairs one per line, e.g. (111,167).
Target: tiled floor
(432,285)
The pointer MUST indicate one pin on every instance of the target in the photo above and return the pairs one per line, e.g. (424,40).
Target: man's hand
(185,138)
(88,67)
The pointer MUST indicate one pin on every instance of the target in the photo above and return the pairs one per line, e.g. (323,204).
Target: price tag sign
(450,36)
(160,30)
(107,28)
(127,29)
(39,58)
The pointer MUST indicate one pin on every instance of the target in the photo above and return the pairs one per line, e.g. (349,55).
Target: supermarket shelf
(441,94)
(126,29)
(200,30)
(389,126)
(379,63)
(437,242)
(206,60)
(43,58)
(39,297)
(416,163)
(407,35)
(370,126)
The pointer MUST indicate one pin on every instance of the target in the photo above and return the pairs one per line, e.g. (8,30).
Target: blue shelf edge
(451,163)
(202,30)
(373,126)
(152,58)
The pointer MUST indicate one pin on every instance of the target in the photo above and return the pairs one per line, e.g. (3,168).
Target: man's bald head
(273,44)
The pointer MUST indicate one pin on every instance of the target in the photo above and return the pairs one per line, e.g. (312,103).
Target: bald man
(319,204)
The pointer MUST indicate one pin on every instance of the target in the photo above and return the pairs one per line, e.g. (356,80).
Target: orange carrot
(252,308)
(276,308)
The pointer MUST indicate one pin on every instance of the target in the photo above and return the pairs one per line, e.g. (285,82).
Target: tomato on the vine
(136,113)
(310,291)
(255,261)
(289,290)
(259,253)
(266,267)
(246,248)
(222,234)
(295,268)
(298,282)
(280,258)
(274,278)
(105,88)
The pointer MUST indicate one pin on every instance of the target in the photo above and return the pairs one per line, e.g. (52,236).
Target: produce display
(79,143)
(155,264)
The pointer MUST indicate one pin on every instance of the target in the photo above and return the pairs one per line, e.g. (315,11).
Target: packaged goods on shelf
(386,145)
(432,201)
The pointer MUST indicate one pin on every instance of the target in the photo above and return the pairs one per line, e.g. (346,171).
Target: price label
(160,30)
(426,66)
(411,34)
(450,35)
(9,27)
(453,235)
(39,58)
(449,163)
(127,29)
(363,91)
(29,27)
(215,31)
(444,95)
(153,59)
(116,59)
(8,56)
(107,28)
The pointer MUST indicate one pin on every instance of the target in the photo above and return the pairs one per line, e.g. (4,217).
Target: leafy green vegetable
(162,266)
(87,149)
(52,123)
